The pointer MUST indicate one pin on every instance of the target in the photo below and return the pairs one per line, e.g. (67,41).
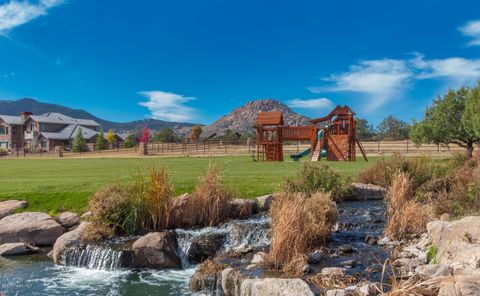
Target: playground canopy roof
(338,111)
(269,118)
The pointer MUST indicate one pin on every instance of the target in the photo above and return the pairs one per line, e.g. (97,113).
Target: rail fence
(219,148)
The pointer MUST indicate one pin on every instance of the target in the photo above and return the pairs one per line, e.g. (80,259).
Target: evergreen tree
(79,144)
(100,144)
(130,141)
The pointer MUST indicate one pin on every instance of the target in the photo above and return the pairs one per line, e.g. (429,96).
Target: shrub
(96,231)
(313,178)
(210,203)
(298,223)
(113,206)
(405,215)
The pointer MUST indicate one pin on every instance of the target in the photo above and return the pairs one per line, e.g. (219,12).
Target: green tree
(392,128)
(365,130)
(130,141)
(79,144)
(196,132)
(100,144)
(471,118)
(447,122)
(111,138)
(165,135)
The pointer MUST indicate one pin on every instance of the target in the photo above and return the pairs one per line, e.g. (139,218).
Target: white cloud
(16,13)
(317,104)
(168,106)
(457,71)
(472,30)
(381,80)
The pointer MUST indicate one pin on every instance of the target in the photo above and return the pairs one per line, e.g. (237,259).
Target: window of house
(4,145)
(14,130)
(43,127)
(3,130)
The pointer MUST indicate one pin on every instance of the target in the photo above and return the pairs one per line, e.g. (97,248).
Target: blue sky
(196,60)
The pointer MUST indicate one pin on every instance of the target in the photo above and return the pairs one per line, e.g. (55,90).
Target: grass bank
(54,185)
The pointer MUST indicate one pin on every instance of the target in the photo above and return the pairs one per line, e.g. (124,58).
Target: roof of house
(17,120)
(69,133)
(269,118)
(58,118)
(123,136)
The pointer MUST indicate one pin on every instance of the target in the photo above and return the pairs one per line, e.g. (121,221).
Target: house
(12,132)
(55,129)
(45,131)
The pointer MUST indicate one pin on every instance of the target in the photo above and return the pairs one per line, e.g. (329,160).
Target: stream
(95,270)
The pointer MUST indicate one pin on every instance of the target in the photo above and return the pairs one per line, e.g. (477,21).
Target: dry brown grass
(96,231)
(298,223)
(401,285)
(331,282)
(410,219)
(405,215)
(210,202)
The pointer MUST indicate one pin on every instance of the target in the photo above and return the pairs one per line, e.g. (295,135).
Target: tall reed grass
(298,223)
(405,215)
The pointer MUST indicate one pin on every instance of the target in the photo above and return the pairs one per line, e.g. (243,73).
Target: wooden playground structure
(332,137)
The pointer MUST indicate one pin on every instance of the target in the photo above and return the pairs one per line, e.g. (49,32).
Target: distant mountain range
(239,120)
(36,107)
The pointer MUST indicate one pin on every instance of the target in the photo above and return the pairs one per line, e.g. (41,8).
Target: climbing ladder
(318,149)
(360,146)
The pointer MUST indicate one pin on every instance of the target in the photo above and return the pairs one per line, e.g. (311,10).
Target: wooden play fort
(332,137)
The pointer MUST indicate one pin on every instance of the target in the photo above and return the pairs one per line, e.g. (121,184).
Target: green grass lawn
(54,185)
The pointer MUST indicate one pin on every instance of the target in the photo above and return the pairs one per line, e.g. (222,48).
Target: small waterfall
(253,232)
(92,257)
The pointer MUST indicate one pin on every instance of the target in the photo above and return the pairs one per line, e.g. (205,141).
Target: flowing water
(95,270)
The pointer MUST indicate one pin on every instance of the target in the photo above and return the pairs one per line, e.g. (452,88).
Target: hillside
(15,107)
(243,119)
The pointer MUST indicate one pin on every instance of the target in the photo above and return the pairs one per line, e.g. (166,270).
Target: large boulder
(9,207)
(466,285)
(430,271)
(458,242)
(275,287)
(231,282)
(10,249)
(156,250)
(68,240)
(67,219)
(241,208)
(368,191)
(205,247)
(207,278)
(264,202)
(30,227)
(179,212)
